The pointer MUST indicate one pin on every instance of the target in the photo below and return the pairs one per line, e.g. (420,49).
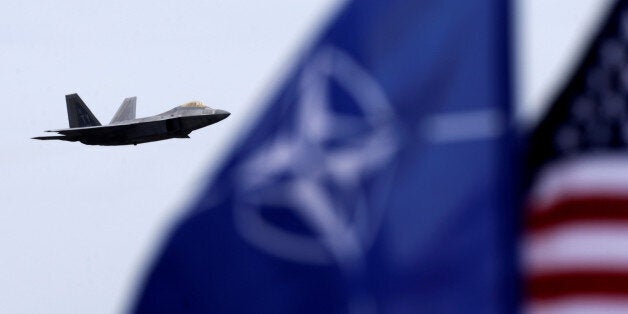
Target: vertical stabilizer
(126,110)
(78,113)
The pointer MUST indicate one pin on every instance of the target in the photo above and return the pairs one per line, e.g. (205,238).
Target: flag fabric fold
(377,180)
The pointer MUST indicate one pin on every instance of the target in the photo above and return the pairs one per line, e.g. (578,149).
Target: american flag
(575,248)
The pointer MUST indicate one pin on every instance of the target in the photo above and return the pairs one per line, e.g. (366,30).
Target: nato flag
(377,180)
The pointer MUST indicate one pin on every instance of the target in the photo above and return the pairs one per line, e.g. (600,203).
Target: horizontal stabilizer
(126,110)
(60,137)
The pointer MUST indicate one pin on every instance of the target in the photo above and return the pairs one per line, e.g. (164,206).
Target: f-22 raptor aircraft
(125,129)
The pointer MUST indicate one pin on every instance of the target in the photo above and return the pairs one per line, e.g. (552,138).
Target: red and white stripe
(575,250)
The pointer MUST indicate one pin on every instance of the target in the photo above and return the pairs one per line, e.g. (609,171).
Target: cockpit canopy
(194,104)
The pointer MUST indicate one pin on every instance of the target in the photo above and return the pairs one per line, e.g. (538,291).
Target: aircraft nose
(222,114)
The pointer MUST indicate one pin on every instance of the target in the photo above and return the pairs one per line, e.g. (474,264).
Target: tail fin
(126,110)
(78,113)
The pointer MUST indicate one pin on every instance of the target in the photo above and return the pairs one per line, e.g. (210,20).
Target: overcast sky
(79,223)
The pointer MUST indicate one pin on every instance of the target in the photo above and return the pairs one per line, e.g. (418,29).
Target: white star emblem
(319,168)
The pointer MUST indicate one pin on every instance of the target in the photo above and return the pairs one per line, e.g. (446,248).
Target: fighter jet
(125,129)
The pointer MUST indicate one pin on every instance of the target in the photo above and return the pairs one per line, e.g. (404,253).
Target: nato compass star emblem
(331,168)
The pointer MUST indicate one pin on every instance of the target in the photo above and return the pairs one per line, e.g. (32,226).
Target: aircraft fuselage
(125,129)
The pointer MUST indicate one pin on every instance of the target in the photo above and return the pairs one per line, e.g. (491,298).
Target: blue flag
(378,179)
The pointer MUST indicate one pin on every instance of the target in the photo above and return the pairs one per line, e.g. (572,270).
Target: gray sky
(550,37)
(78,223)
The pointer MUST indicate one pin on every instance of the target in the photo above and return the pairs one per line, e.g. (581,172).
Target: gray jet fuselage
(125,129)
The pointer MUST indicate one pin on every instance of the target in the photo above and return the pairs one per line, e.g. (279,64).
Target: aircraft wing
(109,130)
(93,130)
